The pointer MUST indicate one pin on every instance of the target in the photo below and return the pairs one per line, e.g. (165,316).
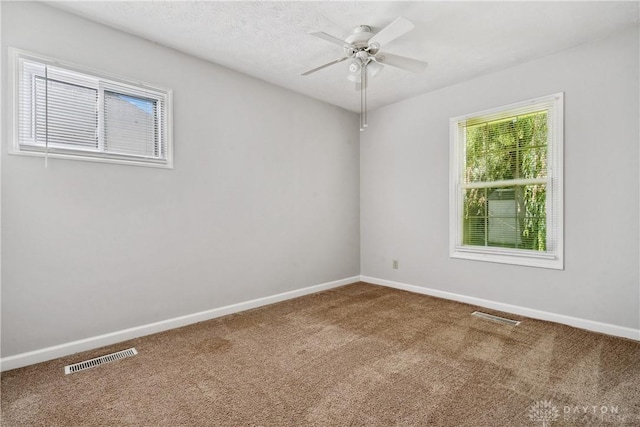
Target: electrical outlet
(394,263)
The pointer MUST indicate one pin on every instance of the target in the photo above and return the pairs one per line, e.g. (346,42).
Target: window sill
(114,159)
(513,257)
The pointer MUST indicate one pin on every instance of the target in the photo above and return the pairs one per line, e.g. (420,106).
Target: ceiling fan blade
(330,38)
(402,62)
(391,32)
(328,64)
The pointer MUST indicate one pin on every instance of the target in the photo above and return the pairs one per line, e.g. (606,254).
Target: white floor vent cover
(88,364)
(495,318)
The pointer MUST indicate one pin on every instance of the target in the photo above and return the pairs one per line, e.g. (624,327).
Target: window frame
(103,82)
(553,258)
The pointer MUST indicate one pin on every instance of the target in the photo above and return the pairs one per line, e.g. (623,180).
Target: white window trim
(552,259)
(14,136)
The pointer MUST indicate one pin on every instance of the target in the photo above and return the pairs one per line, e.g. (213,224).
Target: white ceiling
(269,40)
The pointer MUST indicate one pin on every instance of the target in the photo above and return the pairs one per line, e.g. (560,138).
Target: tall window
(63,111)
(506,184)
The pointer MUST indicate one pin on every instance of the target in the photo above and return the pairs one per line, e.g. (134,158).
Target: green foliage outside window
(497,213)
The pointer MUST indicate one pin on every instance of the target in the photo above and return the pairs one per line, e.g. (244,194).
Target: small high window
(506,184)
(64,111)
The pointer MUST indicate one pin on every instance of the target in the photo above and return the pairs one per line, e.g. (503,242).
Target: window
(63,111)
(506,184)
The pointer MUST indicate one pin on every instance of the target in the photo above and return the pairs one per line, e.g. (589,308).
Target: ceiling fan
(363,49)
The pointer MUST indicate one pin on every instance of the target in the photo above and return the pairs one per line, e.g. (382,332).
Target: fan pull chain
(361,98)
(46,116)
(364,77)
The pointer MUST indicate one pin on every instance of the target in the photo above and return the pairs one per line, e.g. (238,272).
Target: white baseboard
(49,353)
(591,325)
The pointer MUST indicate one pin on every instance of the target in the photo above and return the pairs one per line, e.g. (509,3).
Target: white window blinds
(66,112)
(131,124)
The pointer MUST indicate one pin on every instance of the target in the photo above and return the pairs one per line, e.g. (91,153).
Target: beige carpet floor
(359,355)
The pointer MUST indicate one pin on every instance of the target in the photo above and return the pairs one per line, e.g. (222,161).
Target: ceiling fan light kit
(363,47)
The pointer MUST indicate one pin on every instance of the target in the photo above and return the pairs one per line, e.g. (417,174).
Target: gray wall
(405,175)
(263,198)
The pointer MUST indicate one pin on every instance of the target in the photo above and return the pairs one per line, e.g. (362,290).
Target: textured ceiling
(269,40)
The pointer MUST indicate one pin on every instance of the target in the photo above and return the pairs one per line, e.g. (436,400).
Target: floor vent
(495,318)
(88,364)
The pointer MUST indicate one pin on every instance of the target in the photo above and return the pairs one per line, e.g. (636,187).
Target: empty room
(320,213)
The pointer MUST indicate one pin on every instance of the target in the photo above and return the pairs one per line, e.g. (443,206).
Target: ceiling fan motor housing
(360,36)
